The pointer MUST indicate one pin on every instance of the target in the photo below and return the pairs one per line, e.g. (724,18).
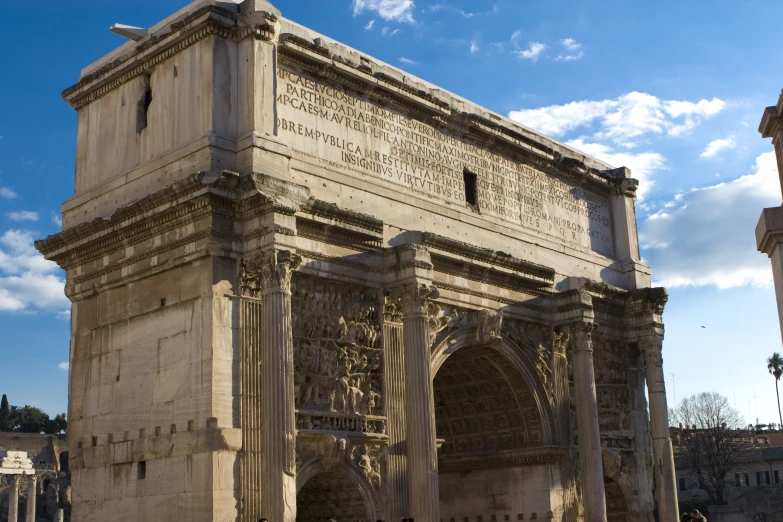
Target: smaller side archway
(333,490)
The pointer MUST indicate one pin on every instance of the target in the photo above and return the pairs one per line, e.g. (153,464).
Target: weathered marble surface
(304,278)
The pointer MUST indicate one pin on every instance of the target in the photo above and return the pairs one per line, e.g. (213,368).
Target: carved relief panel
(338,357)
(610,361)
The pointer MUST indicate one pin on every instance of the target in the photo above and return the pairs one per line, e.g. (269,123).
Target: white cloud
(64,314)
(387,31)
(622,120)
(397,10)
(533,51)
(570,44)
(408,61)
(57,219)
(707,238)
(715,146)
(474,47)
(7,193)
(63,366)
(27,280)
(573,50)
(23,215)
(642,164)
(369,25)
(445,6)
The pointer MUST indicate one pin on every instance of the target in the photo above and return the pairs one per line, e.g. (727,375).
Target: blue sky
(670,89)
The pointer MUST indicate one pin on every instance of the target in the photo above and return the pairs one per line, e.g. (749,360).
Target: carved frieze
(338,354)
(331,451)
(540,344)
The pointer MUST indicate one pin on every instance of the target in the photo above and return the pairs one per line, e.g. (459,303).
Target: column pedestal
(423,495)
(665,477)
(590,461)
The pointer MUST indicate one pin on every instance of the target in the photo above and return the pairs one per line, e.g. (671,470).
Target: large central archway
(494,424)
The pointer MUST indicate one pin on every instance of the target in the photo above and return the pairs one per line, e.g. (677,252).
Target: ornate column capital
(651,347)
(269,271)
(415,299)
(581,333)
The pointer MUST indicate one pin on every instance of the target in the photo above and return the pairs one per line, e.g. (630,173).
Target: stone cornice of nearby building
(770,120)
(382,84)
(535,456)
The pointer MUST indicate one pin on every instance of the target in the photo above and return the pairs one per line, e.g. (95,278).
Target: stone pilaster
(31,494)
(397,467)
(250,405)
(423,497)
(278,418)
(636,273)
(13,498)
(590,460)
(665,479)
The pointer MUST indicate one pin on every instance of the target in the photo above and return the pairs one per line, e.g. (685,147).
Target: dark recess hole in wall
(142,470)
(471,189)
(142,108)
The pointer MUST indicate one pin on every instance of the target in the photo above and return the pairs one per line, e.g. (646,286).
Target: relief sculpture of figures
(338,349)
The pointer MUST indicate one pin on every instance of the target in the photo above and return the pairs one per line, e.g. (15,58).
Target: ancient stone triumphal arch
(308,285)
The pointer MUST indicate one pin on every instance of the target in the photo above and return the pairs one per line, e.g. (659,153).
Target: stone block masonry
(308,285)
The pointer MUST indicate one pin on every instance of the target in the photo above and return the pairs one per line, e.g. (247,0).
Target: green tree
(775,367)
(57,425)
(28,419)
(5,414)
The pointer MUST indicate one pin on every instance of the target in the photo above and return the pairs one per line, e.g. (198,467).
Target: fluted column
(278,420)
(13,498)
(562,403)
(423,498)
(665,478)
(31,494)
(590,462)
(394,366)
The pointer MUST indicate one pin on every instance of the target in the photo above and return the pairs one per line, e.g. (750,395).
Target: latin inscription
(351,133)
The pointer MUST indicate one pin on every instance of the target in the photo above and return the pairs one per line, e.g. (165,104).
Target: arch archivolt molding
(363,463)
(458,329)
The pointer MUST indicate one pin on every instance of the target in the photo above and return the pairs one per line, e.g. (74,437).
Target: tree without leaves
(714,448)
(775,367)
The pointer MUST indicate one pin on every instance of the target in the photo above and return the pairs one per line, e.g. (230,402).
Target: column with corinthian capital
(591,469)
(423,498)
(278,420)
(665,478)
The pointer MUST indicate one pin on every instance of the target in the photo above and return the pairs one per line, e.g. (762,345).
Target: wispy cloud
(23,215)
(369,25)
(573,50)
(57,219)
(408,61)
(388,31)
(445,6)
(27,280)
(533,51)
(393,10)
(7,193)
(63,366)
(474,47)
(715,146)
(621,120)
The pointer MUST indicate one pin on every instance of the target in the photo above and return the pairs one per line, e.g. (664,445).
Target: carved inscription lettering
(348,132)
